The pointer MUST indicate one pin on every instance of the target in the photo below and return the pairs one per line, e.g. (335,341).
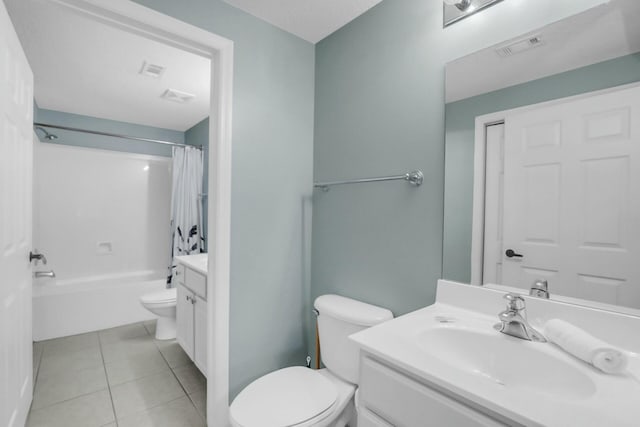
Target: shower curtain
(186,204)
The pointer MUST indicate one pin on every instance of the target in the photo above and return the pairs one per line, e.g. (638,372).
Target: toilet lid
(167,295)
(283,398)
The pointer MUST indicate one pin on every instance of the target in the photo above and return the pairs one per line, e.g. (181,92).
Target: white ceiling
(597,35)
(86,67)
(311,20)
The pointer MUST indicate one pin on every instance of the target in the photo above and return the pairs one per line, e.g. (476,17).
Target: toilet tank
(338,318)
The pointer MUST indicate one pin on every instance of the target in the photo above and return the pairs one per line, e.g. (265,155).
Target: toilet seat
(166,296)
(285,398)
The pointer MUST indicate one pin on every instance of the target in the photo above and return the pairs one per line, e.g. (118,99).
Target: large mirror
(543,160)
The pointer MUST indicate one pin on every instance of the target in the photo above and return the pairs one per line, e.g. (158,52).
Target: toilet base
(166,328)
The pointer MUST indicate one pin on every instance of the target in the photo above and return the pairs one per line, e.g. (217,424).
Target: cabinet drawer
(180,273)
(196,282)
(403,401)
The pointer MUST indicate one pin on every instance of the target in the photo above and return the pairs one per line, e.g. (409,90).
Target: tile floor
(120,377)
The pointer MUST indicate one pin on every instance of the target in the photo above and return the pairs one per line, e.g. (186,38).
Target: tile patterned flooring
(120,377)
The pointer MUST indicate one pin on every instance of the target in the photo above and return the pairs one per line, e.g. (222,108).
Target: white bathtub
(69,307)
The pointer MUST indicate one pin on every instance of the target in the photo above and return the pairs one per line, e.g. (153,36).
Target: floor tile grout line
(151,408)
(106,377)
(203,416)
(66,400)
(35,378)
(109,385)
(180,382)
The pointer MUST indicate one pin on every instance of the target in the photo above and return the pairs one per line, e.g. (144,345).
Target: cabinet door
(201,335)
(184,320)
(402,401)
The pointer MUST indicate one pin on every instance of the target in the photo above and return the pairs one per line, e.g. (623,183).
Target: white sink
(509,362)
(452,345)
(197,262)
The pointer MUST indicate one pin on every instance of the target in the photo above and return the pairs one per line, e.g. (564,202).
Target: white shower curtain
(186,204)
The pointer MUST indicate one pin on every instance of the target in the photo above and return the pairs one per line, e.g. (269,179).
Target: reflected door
(16,159)
(571,210)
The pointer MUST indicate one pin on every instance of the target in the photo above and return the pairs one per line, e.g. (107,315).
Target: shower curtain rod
(115,135)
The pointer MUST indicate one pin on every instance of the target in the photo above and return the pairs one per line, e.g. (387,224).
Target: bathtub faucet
(38,257)
(49,274)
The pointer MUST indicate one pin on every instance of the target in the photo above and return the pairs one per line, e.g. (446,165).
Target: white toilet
(303,397)
(163,305)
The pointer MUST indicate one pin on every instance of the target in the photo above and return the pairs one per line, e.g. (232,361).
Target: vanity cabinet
(388,397)
(191,315)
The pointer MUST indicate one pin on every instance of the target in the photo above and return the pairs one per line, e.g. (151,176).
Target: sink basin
(507,361)
(197,262)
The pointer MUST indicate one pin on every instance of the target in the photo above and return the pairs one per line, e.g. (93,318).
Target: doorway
(143,21)
(560,197)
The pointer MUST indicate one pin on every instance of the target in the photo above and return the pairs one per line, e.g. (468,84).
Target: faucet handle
(514,302)
(540,289)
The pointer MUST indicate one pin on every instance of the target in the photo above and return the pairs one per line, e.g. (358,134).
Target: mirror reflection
(543,160)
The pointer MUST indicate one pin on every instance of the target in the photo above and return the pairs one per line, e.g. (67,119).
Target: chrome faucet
(540,289)
(514,323)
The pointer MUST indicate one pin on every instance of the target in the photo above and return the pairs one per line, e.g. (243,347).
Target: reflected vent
(152,70)
(177,96)
(520,46)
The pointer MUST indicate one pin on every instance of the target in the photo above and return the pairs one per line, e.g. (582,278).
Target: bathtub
(69,307)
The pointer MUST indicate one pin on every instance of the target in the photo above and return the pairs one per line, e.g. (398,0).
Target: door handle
(510,253)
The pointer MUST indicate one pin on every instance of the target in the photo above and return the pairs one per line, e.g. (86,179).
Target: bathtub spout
(51,274)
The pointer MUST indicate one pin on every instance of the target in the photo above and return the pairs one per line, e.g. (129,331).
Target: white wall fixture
(80,226)
(455,10)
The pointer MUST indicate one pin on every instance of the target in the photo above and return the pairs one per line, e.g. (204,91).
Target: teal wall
(460,122)
(271,174)
(199,135)
(111,126)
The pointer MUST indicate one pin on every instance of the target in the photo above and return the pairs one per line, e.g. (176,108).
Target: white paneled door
(16,153)
(572,197)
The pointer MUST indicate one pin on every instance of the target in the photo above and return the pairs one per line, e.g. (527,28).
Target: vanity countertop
(198,262)
(454,347)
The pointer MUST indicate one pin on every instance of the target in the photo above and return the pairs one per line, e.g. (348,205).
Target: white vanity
(191,309)
(446,365)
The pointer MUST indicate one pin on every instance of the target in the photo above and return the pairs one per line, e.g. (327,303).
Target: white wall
(100,213)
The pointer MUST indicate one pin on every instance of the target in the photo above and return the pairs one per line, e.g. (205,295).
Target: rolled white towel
(586,347)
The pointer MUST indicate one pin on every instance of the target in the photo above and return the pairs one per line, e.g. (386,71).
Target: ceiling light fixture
(455,10)
(460,4)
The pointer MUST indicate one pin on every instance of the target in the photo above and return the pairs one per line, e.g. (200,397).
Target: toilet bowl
(163,305)
(302,397)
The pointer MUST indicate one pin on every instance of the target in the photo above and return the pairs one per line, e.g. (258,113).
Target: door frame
(479,163)
(133,17)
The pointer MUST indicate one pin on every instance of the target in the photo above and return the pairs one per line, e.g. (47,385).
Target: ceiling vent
(520,46)
(177,96)
(152,70)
